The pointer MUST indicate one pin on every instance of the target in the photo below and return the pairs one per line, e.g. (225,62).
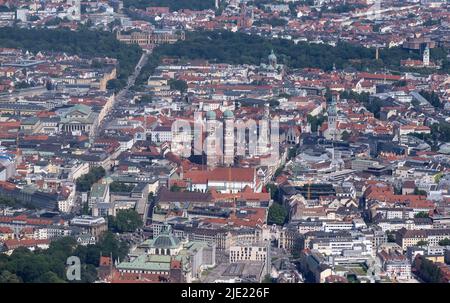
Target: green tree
(116,84)
(345,136)
(88,273)
(272,188)
(4,8)
(84,42)
(8,277)
(267,279)
(116,186)
(292,152)
(445,242)
(275,22)
(419,192)
(400,83)
(437,177)
(8,201)
(441,131)
(126,220)
(240,48)
(85,182)
(277,214)
(145,99)
(328,95)
(315,122)
(376,28)
(427,270)
(421,214)
(175,188)
(97,64)
(48,266)
(50,277)
(422,243)
(278,171)
(109,244)
(373,105)
(53,22)
(179,85)
(390,237)
(274,103)
(85,209)
(298,246)
(432,97)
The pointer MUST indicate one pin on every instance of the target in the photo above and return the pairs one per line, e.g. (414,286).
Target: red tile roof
(13,244)
(5,230)
(221,174)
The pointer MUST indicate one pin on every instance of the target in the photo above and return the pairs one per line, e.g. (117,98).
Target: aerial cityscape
(225,141)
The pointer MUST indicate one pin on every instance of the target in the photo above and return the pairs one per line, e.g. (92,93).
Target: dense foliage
(4,8)
(175,188)
(173,5)
(277,214)
(126,220)
(85,182)
(8,201)
(345,136)
(145,99)
(273,189)
(49,266)
(116,84)
(373,105)
(15,203)
(422,193)
(241,48)
(421,214)
(445,242)
(21,85)
(427,270)
(431,97)
(440,132)
(83,43)
(147,70)
(179,85)
(120,187)
(315,121)
(422,243)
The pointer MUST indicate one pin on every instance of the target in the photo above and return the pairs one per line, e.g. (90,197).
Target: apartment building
(406,238)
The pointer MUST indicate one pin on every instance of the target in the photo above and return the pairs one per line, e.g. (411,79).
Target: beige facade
(151,38)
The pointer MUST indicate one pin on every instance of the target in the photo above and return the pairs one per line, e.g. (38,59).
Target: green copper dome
(166,239)
(228,114)
(211,115)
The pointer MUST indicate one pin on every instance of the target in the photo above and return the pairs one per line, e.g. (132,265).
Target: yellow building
(153,38)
